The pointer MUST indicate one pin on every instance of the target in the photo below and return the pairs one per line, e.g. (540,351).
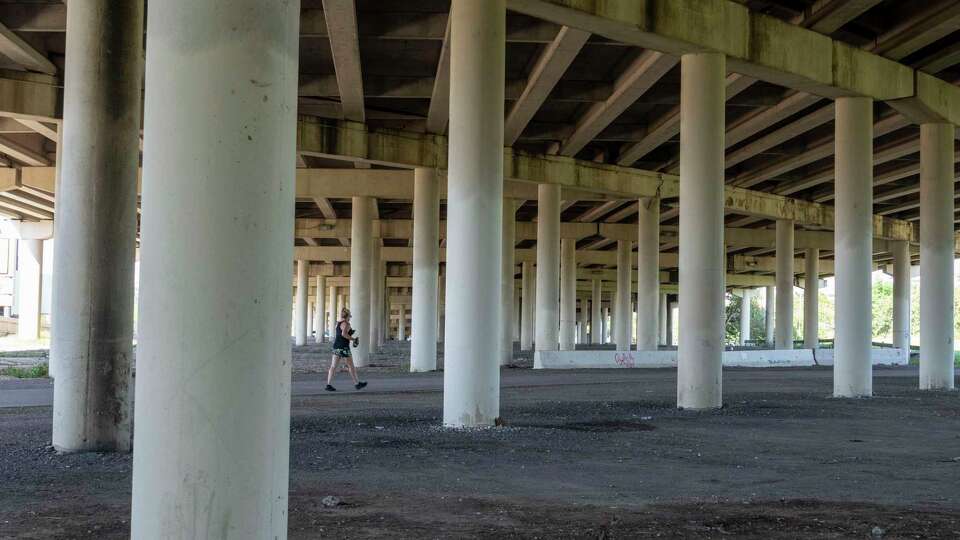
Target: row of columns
(214,355)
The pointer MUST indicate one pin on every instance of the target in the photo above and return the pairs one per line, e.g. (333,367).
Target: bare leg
(333,368)
(352,369)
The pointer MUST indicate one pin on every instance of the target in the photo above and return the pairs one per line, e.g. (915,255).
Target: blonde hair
(344,313)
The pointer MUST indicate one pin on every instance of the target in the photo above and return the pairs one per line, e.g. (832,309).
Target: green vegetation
(38,371)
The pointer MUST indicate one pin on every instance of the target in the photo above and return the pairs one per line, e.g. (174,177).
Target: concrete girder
(22,53)
(351,140)
(34,96)
(439,112)
(341,21)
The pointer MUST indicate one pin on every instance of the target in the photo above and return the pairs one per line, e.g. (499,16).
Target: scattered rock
(877,532)
(331,501)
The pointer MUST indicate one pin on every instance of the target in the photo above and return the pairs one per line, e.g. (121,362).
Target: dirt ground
(598,454)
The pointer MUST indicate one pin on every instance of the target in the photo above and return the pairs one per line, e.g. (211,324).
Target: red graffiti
(625,359)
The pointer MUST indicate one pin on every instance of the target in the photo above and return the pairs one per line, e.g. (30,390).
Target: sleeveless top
(340,341)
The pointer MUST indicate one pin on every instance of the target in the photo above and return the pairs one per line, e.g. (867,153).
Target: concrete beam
(23,54)
(439,112)
(549,68)
(33,96)
(341,18)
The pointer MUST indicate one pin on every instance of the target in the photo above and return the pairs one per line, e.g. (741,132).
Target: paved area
(596,454)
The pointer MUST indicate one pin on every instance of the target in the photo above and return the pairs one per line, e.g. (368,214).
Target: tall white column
(596,315)
(568,294)
(376,296)
(471,381)
(426,265)
(361,250)
(648,274)
(901,294)
(548,267)
(811,299)
(300,309)
(582,321)
(769,313)
(506,285)
(29,278)
(671,320)
(784,320)
(321,307)
(527,306)
(853,239)
(936,257)
(96,228)
(623,325)
(402,323)
(212,422)
(341,303)
(745,317)
(702,261)
(663,318)
(334,315)
(517,315)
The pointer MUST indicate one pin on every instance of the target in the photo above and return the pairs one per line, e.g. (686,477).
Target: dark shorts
(342,352)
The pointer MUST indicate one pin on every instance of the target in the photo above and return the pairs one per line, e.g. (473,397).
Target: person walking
(344,337)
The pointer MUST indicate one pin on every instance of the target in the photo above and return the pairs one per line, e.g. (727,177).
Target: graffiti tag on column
(625,359)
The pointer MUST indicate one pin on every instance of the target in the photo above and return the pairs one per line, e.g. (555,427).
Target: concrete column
(212,422)
(568,294)
(769,313)
(936,257)
(548,267)
(300,310)
(811,299)
(606,323)
(516,313)
(341,303)
(376,296)
(96,228)
(671,318)
(334,313)
(471,382)
(426,265)
(507,285)
(441,307)
(361,251)
(853,239)
(702,261)
(596,314)
(901,294)
(745,317)
(402,323)
(623,325)
(30,277)
(784,321)
(311,310)
(321,307)
(582,321)
(648,274)
(662,319)
(526,320)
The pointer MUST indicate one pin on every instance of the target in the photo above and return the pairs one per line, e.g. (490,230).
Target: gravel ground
(592,458)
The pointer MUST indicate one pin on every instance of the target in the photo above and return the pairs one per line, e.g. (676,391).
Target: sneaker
(330,388)
(360,385)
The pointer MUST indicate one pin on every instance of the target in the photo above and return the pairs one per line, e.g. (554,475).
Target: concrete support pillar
(361,250)
(334,314)
(622,324)
(901,294)
(662,319)
(702,260)
(648,274)
(341,303)
(784,324)
(402,323)
(506,284)
(96,229)
(471,381)
(548,267)
(853,239)
(527,307)
(516,313)
(320,309)
(426,265)
(582,321)
(811,299)
(745,317)
(568,294)
(30,277)
(441,307)
(212,422)
(936,257)
(596,315)
(606,321)
(671,320)
(301,308)
(376,296)
(769,313)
